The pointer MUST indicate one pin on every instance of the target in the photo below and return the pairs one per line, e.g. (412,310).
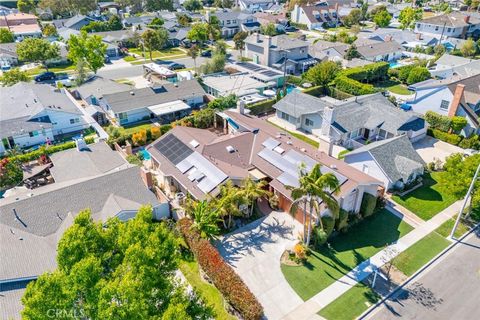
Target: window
(444,104)
(76,120)
(228,21)
(33,133)
(354,134)
(449,29)
(285,116)
(308,122)
(436,28)
(122,115)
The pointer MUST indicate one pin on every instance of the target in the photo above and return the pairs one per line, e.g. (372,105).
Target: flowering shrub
(139,138)
(221,274)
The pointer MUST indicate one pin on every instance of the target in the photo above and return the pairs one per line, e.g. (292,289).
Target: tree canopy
(193,5)
(268,29)
(323,73)
(37,50)
(69,6)
(25,6)
(154,40)
(88,48)
(199,32)
(408,16)
(354,17)
(382,18)
(114,271)
(13,76)
(469,48)
(157,5)
(6,36)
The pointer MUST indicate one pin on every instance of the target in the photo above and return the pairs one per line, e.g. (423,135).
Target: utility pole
(469,192)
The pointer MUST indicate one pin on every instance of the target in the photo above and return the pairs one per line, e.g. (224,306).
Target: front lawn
(447,227)
(400,89)
(158,53)
(327,265)
(429,199)
(351,304)
(412,259)
(136,128)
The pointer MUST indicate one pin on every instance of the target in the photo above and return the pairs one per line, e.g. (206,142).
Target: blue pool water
(290,88)
(394,65)
(146,155)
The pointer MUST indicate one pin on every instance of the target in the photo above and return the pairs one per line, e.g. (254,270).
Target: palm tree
(314,189)
(252,190)
(227,203)
(193,53)
(205,218)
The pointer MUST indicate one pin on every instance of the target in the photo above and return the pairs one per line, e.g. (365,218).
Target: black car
(45,76)
(291,29)
(176,66)
(206,53)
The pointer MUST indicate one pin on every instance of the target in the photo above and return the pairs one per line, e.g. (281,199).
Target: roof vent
(334,167)
(230,149)
(303,150)
(132,93)
(289,142)
(194,143)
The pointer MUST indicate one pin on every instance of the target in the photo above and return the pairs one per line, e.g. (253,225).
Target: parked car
(45,76)
(291,29)
(175,66)
(206,53)
(107,59)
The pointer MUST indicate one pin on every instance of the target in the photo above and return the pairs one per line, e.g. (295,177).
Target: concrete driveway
(429,148)
(254,251)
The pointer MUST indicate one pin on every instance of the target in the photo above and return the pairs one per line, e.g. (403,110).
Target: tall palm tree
(252,190)
(227,203)
(192,52)
(205,218)
(314,189)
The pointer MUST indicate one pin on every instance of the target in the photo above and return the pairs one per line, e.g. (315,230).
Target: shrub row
(34,155)
(352,86)
(138,137)
(466,143)
(261,107)
(315,91)
(368,73)
(438,121)
(221,274)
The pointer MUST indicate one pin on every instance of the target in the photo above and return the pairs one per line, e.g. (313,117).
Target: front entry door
(366,133)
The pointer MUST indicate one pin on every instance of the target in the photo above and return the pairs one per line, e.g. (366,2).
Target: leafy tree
(114,271)
(222,103)
(408,16)
(205,218)
(251,191)
(88,48)
(113,23)
(37,50)
(11,173)
(157,5)
(154,40)
(313,190)
(214,29)
(239,40)
(439,50)
(227,4)
(203,118)
(418,74)
(268,29)
(192,52)
(458,123)
(135,5)
(354,17)
(378,9)
(382,19)
(192,5)
(57,7)
(156,23)
(6,36)
(25,6)
(323,73)
(352,53)
(183,19)
(199,32)
(344,37)
(13,76)
(49,30)
(227,203)
(82,73)
(220,48)
(469,48)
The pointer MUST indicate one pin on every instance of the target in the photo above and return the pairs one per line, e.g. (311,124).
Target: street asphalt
(448,289)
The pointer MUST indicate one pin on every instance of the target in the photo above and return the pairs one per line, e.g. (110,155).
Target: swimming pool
(395,64)
(145,154)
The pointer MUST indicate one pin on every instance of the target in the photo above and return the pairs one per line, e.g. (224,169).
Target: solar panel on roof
(270,143)
(173,149)
(288,180)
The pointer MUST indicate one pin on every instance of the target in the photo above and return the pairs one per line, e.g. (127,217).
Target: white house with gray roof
(232,22)
(166,102)
(393,161)
(32,114)
(351,122)
(454,24)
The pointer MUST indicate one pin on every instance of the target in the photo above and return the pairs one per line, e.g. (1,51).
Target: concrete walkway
(309,308)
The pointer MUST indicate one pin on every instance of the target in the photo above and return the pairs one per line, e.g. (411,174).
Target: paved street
(449,289)
(255,250)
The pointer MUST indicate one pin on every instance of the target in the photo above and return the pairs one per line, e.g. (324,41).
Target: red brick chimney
(466,19)
(147,177)
(388,38)
(457,98)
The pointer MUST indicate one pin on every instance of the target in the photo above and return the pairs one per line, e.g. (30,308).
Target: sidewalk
(309,308)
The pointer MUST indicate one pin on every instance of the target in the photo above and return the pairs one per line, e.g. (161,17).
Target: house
(351,122)
(406,38)
(244,79)
(117,39)
(8,54)
(448,66)
(254,6)
(166,102)
(232,22)
(21,24)
(280,52)
(32,222)
(76,22)
(325,50)
(198,162)
(393,161)
(33,114)
(322,13)
(177,36)
(455,24)
(279,20)
(456,96)
(381,51)
(138,22)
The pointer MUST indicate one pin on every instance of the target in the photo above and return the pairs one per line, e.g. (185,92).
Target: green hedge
(352,86)
(438,121)
(300,26)
(369,202)
(368,73)
(261,107)
(34,155)
(315,91)
(295,80)
(451,138)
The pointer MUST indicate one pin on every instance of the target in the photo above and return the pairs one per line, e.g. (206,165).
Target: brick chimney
(466,19)
(147,177)
(388,38)
(457,98)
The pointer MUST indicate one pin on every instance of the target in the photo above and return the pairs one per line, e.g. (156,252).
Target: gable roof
(145,97)
(396,157)
(297,103)
(99,86)
(280,42)
(75,20)
(453,19)
(379,48)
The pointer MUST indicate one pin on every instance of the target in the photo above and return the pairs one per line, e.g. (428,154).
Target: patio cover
(32,171)
(168,107)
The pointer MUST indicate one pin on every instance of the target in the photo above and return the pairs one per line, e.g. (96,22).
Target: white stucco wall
(365,163)
(430,99)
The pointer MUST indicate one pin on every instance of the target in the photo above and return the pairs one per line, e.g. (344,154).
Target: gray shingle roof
(379,48)
(396,157)
(99,86)
(280,42)
(142,98)
(297,103)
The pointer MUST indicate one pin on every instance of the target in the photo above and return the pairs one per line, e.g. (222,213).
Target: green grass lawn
(158,53)
(447,227)
(135,128)
(299,136)
(412,259)
(362,241)
(400,89)
(429,199)
(351,304)
(210,295)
